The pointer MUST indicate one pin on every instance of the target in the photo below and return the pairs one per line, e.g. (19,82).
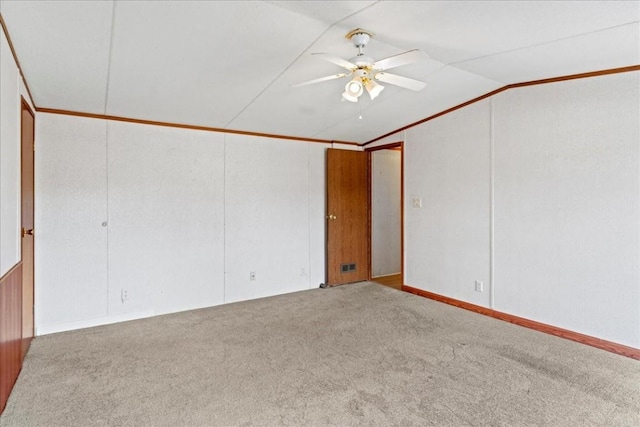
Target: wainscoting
(10,331)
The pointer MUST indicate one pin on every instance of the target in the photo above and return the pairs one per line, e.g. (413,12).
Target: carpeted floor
(360,354)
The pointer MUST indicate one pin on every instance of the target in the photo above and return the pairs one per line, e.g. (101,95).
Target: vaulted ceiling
(231,64)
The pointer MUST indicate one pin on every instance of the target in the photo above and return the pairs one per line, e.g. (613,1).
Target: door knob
(27,231)
(332,217)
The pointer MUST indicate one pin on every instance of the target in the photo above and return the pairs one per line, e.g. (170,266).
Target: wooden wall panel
(10,331)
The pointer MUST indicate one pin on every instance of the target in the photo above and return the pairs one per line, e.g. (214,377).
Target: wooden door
(347,216)
(27,165)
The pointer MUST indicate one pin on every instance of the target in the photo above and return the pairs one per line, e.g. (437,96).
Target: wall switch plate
(252,275)
(124,295)
(479,285)
(416,202)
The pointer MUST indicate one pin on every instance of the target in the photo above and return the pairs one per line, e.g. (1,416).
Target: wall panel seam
(492,190)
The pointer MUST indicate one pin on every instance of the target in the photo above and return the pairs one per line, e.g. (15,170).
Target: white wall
(385,212)
(166,218)
(188,215)
(10,220)
(567,199)
(267,210)
(535,191)
(317,211)
(447,166)
(70,207)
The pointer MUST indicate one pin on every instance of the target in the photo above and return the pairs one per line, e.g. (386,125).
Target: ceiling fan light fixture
(350,98)
(354,88)
(374,89)
(365,72)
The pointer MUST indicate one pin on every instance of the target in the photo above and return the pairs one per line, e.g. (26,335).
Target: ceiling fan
(366,72)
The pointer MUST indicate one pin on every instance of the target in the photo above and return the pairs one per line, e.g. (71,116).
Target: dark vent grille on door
(347,268)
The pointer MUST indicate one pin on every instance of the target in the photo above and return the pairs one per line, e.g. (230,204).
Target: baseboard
(612,347)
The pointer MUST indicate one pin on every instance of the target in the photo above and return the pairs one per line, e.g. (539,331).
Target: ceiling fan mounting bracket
(359,37)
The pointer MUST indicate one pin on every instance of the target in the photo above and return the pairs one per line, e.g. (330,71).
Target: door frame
(370,150)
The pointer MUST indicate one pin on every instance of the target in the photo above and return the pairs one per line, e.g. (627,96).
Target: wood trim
(390,146)
(15,58)
(10,331)
(612,347)
(507,87)
(402,276)
(26,105)
(185,126)
(576,76)
(370,214)
(294,138)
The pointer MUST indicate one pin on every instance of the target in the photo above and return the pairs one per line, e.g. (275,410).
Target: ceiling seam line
(111,35)
(542,44)
(295,60)
(274,80)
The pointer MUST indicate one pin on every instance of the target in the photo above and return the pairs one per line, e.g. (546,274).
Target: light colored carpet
(361,354)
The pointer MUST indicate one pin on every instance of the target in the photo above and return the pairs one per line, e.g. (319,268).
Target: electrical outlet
(479,285)
(416,202)
(124,294)
(252,275)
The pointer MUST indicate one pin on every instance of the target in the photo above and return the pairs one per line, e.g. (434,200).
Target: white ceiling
(230,64)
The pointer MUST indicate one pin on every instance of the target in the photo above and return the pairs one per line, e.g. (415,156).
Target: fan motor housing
(362,61)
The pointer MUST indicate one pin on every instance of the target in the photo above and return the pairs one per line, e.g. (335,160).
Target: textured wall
(9,159)
(447,165)
(536,191)
(70,207)
(567,205)
(188,215)
(166,218)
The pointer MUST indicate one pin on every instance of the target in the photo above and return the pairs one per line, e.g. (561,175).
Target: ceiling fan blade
(321,79)
(404,82)
(402,59)
(338,61)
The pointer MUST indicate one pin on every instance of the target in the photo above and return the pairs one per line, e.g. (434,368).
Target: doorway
(387,214)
